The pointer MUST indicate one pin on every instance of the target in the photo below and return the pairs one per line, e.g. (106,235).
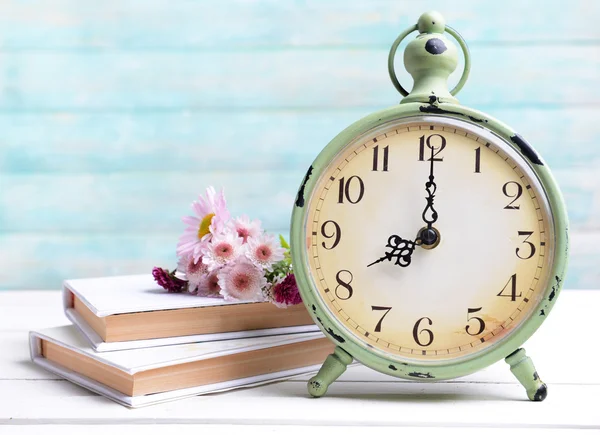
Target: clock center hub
(430,237)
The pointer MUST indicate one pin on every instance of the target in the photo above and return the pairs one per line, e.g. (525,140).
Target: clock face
(429,295)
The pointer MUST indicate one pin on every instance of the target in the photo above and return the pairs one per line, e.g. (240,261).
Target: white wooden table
(565,352)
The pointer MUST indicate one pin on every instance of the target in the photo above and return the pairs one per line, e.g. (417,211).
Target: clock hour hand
(399,249)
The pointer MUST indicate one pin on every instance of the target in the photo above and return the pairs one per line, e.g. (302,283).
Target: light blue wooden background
(115,114)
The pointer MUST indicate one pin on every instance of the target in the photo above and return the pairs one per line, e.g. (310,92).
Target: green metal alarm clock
(429,240)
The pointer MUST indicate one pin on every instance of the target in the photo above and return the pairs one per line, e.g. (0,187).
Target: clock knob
(430,58)
(431,22)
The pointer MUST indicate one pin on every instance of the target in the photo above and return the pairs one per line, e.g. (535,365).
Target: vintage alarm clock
(429,240)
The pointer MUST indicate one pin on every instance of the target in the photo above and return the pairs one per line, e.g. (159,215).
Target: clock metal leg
(332,368)
(522,367)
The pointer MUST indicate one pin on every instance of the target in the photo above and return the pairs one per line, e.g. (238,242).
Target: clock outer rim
(437,370)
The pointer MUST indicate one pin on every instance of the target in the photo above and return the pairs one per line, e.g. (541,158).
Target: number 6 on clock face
(475,286)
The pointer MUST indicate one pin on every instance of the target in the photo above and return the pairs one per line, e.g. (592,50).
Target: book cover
(104,297)
(136,361)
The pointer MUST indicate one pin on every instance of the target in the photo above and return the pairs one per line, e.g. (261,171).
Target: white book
(147,376)
(129,312)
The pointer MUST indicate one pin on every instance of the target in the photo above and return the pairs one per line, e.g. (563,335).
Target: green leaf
(284,244)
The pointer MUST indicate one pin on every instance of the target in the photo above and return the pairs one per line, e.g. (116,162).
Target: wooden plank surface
(489,399)
(192,429)
(332,78)
(348,403)
(130,24)
(109,142)
(106,109)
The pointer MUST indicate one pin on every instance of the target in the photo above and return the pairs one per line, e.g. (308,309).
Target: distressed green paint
(439,371)
(332,368)
(522,367)
(396,366)
(430,73)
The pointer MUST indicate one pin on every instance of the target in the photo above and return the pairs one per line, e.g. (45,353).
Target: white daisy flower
(245,228)
(263,251)
(209,285)
(194,271)
(242,281)
(222,249)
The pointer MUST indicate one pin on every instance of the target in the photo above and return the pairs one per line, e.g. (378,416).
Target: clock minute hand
(430,215)
(398,248)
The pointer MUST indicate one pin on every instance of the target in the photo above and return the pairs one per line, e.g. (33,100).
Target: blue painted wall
(114,115)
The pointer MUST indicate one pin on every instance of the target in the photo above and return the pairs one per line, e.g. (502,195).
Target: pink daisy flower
(246,228)
(195,271)
(209,285)
(222,249)
(242,281)
(211,218)
(264,250)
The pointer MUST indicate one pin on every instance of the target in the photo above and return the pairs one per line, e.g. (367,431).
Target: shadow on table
(407,391)
(427,397)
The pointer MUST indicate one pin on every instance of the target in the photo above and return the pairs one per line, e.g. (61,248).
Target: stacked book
(136,344)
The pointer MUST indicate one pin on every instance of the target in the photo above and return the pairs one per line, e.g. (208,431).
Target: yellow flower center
(204,227)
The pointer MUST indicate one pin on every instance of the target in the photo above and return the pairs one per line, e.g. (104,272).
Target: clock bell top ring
(430,59)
